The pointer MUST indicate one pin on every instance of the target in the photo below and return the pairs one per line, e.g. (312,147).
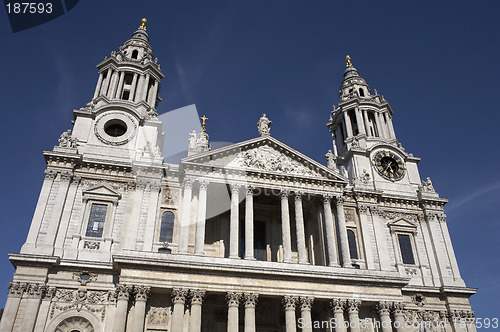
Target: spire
(144,22)
(353,84)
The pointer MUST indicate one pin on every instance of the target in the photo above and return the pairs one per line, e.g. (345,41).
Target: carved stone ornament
(364,178)
(233,299)
(306,303)
(169,197)
(331,160)
(179,295)
(123,292)
(84,277)
(419,300)
(81,299)
(50,174)
(264,125)
(142,293)
(251,300)
(267,159)
(383,307)
(353,305)
(91,245)
(160,316)
(89,183)
(66,140)
(289,302)
(398,308)
(338,305)
(17,288)
(36,290)
(197,296)
(427,187)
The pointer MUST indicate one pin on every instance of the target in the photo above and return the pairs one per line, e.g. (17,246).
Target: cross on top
(203,125)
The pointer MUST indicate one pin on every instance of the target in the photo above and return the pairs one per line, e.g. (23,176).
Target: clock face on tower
(389,165)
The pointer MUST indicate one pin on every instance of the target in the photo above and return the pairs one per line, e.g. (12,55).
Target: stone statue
(343,171)
(264,125)
(66,140)
(192,140)
(427,186)
(331,160)
(355,142)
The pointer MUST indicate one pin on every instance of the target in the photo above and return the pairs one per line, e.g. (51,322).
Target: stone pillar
(234,231)
(98,86)
(233,302)
(43,312)
(140,87)
(249,240)
(154,192)
(285,227)
(383,309)
(16,291)
(119,91)
(290,322)
(330,232)
(179,299)
(299,224)
(57,208)
(344,243)
(131,96)
(201,219)
(105,85)
(359,119)
(449,247)
(145,88)
(366,236)
(66,216)
(185,217)
(250,303)
(398,310)
(391,127)
(153,94)
(366,122)
(196,302)
(113,84)
(455,317)
(141,297)
(338,306)
(123,294)
(379,125)
(34,294)
(348,125)
(353,310)
(305,313)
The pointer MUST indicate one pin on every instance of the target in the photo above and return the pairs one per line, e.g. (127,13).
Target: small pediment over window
(102,192)
(403,225)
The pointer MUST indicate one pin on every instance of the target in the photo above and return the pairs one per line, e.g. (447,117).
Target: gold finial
(204,125)
(348,61)
(143,24)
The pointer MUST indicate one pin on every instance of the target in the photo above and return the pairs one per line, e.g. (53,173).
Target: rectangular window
(353,247)
(406,250)
(97,218)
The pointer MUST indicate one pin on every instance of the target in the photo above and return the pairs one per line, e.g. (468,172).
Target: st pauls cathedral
(252,236)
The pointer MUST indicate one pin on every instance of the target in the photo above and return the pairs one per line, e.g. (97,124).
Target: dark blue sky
(435,62)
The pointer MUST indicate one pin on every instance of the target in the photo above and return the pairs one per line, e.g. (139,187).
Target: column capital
(339,199)
(353,305)
(36,290)
(327,198)
(363,208)
(251,300)
(289,302)
(249,189)
(50,174)
(298,195)
(306,302)
(338,305)
(49,293)
(142,293)
(123,291)
(235,188)
(398,308)
(203,184)
(383,307)
(17,289)
(66,176)
(179,295)
(187,183)
(197,296)
(284,193)
(233,299)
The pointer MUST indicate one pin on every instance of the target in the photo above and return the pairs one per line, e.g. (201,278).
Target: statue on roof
(264,125)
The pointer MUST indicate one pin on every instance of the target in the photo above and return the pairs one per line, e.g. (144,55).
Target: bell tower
(364,141)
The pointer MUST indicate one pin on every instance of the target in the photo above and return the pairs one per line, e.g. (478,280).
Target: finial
(348,61)
(204,125)
(376,92)
(143,24)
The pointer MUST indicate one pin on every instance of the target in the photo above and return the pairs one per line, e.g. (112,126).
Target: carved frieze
(81,299)
(89,183)
(159,316)
(91,245)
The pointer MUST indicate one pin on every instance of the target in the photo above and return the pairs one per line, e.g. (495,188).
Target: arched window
(135,54)
(167,227)
(353,247)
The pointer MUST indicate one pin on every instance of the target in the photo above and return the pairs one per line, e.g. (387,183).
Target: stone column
(113,84)
(249,240)
(348,125)
(305,313)
(233,302)
(178,298)
(398,309)
(118,93)
(250,303)
(290,322)
(381,132)
(196,302)
(105,85)
(367,123)
(34,294)
(201,219)
(185,217)
(154,192)
(359,119)
(16,291)
(299,223)
(353,309)
(391,127)
(152,95)
(123,294)
(367,238)
(131,96)
(344,243)
(140,87)
(338,306)
(330,232)
(455,317)
(285,227)
(57,208)
(141,297)
(234,231)
(383,309)
(145,88)
(98,86)
(43,312)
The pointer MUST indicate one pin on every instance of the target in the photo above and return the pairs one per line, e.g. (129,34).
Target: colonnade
(234,233)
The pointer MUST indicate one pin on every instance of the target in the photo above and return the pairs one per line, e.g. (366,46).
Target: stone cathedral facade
(254,236)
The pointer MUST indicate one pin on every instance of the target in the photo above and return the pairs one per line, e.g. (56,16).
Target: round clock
(389,165)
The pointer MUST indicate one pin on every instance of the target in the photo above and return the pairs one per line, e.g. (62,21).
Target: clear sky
(436,62)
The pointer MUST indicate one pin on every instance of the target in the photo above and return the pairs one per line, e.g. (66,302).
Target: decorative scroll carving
(179,295)
(251,300)
(17,288)
(84,277)
(353,305)
(81,299)
(306,303)
(233,299)
(142,293)
(91,245)
(268,159)
(289,302)
(338,305)
(197,296)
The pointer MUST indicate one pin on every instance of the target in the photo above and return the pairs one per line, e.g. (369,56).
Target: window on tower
(353,246)
(97,218)
(361,92)
(135,54)
(406,249)
(167,227)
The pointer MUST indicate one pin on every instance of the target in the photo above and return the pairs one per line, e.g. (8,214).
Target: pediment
(264,155)
(103,191)
(403,224)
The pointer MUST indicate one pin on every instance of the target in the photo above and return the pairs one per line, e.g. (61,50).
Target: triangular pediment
(263,155)
(403,224)
(102,190)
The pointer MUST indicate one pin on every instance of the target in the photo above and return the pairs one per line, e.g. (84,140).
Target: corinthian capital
(338,305)
(339,199)
(142,293)
(17,288)
(179,295)
(233,299)
(289,302)
(353,305)
(187,183)
(383,307)
(203,184)
(123,291)
(251,300)
(306,303)
(398,308)
(197,296)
